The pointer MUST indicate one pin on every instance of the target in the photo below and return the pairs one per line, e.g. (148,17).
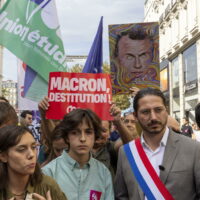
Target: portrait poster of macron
(134,56)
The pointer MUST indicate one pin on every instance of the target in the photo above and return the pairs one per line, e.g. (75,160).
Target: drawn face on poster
(134,56)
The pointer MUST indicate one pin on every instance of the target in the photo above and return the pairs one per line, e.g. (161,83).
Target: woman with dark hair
(20,175)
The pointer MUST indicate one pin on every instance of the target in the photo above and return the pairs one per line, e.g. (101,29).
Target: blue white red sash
(145,174)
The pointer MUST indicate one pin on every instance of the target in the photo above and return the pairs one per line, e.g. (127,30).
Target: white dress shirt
(156,157)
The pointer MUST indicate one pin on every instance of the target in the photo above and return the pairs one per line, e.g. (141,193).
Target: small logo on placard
(70,108)
(95,195)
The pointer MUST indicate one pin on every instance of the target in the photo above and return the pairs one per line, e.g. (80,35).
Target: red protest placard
(68,91)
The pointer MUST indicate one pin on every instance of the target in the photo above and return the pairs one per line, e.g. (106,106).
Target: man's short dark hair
(139,34)
(148,91)
(25,112)
(73,119)
(197,114)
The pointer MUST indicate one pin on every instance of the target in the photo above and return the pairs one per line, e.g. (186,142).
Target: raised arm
(47,125)
(125,133)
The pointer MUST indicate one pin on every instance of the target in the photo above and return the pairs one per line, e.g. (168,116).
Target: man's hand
(134,91)
(115,112)
(44,104)
(173,124)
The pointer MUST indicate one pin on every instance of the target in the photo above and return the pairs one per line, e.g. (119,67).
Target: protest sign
(68,91)
(134,56)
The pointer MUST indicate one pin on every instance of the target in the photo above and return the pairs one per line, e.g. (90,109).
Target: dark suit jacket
(181,175)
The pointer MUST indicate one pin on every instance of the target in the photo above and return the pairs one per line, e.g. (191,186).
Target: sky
(79,20)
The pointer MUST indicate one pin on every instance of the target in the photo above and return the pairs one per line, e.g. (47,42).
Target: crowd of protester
(82,157)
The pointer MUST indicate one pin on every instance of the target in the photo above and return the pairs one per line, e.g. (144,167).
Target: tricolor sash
(145,174)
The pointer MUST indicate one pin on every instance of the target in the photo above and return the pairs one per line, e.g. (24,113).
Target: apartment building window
(164,79)
(175,73)
(190,64)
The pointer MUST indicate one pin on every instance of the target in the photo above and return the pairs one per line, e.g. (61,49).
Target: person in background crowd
(47,128)
(8,115)
(127,133)
(107,129)
(58,145)
(173,160)
(127,127)
(36,130)
(105,150)
(20,175)
(114,135)
(79,175)
(130,121)
(27,117)
(186,129)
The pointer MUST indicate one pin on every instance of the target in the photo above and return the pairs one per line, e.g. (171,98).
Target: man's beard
(147,128)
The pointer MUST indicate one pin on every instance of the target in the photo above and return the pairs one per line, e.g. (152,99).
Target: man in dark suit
(175,158)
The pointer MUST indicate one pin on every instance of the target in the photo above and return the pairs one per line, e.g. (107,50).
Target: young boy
(79,175)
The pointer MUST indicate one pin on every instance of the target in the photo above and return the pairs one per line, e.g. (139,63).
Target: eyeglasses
(157,110)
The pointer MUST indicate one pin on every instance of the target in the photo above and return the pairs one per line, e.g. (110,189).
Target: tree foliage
(122,101)
(77,68)
(106,67)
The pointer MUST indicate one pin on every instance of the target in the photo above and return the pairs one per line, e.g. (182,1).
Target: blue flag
(30,75)
(94,60)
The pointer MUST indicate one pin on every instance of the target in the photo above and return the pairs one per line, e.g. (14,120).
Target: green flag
(30,30)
